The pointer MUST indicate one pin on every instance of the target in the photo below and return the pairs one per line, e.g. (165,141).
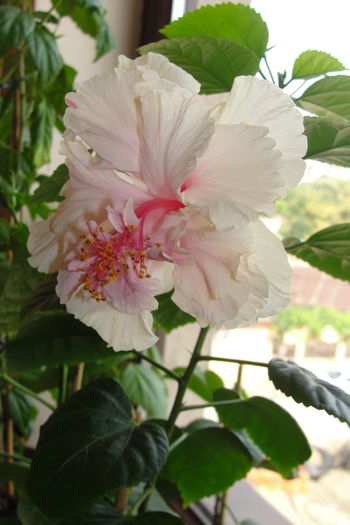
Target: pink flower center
(105,255)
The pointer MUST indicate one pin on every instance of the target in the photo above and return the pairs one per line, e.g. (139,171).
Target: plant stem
(63,384)
(28,392)
(299,87)
(157,365)
(269,70)
(78,377)
(184,380)
(17,457)
(229,360)
(211,404)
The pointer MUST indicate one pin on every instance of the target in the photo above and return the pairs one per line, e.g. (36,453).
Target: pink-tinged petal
(176,129)
(115,218)
(165,69)
(103,113)
(120,330)
(208,288)
(129,216)
(237,178)
(44,247)
(259,103)
(68,283)
(131,294)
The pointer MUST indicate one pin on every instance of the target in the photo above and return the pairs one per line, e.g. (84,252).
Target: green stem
(53,8)
(157,365)
(17,457)
(184,380)
(28,392)
(269,70)
(63,384)
(262,74)
(228,360)
(299,87)
(211,404)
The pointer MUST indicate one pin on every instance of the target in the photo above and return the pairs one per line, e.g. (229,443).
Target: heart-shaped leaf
(328,140)
(208,461)
(169,316)
(146,388)
(314,63)
(275,432)
(91,445)
(214,62)
(306,388)
(328,97)
(203,382)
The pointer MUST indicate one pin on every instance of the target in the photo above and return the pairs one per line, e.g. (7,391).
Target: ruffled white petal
(121,331)
(44,248)
(259,103)
(176,129)
(237,177)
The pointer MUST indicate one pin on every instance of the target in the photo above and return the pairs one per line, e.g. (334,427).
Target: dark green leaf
(91,445)
(146,388)
(44,121)
(29,514)
(44,297)
(53,340)
(21,411)
(50,187)
(306,388)
(214,62)
(46,17)
(328,140)
(238,23)
(203,382)
(4,232)
(198,424)
(21,283)
(169,316)
(313,63)
(58,89)
(208,461)
(275,432)
(44,54)
(88,15)
(156,518)
(328,250)
(17,472)
(5,268)
(15,25)
(328,97)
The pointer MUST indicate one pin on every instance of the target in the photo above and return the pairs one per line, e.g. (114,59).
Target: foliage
(99,442)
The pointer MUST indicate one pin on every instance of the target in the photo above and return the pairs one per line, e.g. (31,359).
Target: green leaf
(313,63)
(88,15)
(17,472)
(44,53)
(275,432)
(169,316)
(21,283)
(15,25)
(156,518)
(328,97)
(57,90)
(4,232)
(146,388)
(328,140)
(44,121)
(238,23)
(91,445)
(29,514)
(53,340)
(208,461)
(50,187)
(306,388)
(328,250)
(44,297)
(214,62)
(203,382)
(21,411)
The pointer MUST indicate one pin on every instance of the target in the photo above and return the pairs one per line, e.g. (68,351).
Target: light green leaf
(306,388)
(91,445)
(50,187)
(44,121)
(328,140)
(145,388)
(315,63)
(208,461)
(89,15)
(214,62)
(236,22)
(44,54)
(275,432)
(169,316)
(15,25)
(203,382)
(328,97)
(328,250)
